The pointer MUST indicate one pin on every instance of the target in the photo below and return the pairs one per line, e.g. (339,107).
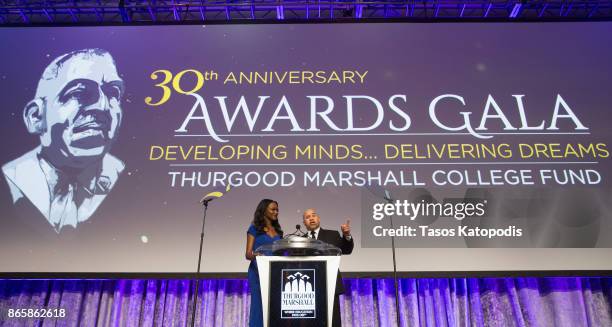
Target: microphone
(214,195)
(298,231)
(207,198)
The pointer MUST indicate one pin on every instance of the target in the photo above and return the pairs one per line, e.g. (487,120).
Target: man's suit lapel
(320,235)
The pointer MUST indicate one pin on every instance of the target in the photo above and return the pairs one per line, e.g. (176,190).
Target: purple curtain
(567,301)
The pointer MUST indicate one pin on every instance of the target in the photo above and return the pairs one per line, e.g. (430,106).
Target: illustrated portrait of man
(76,114)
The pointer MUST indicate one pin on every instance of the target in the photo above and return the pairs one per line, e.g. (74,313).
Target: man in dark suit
(312,221)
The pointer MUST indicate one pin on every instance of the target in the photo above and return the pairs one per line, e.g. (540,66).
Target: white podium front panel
(332,264)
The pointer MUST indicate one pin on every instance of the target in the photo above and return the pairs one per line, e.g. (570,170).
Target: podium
(298,280)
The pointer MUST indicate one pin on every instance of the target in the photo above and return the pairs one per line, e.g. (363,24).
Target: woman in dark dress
(264,229)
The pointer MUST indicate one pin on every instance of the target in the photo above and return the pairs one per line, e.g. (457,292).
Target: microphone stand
(197,276)
(397,307)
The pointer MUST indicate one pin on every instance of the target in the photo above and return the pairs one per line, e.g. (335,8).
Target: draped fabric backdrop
(567,301)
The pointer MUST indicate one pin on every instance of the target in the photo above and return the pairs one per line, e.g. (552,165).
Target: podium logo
(298,295)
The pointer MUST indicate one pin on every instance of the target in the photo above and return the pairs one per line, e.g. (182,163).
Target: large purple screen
(476,146)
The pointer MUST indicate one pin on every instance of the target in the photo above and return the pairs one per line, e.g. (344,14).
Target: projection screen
(485,145)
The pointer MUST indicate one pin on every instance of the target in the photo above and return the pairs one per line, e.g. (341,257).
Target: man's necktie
(313,235)
(63,210)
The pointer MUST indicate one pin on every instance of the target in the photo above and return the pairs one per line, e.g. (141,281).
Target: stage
(513,301)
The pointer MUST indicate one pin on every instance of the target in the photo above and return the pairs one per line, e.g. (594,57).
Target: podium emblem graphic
(298,294)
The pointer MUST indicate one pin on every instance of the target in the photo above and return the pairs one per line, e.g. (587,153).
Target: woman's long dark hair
(259,221)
